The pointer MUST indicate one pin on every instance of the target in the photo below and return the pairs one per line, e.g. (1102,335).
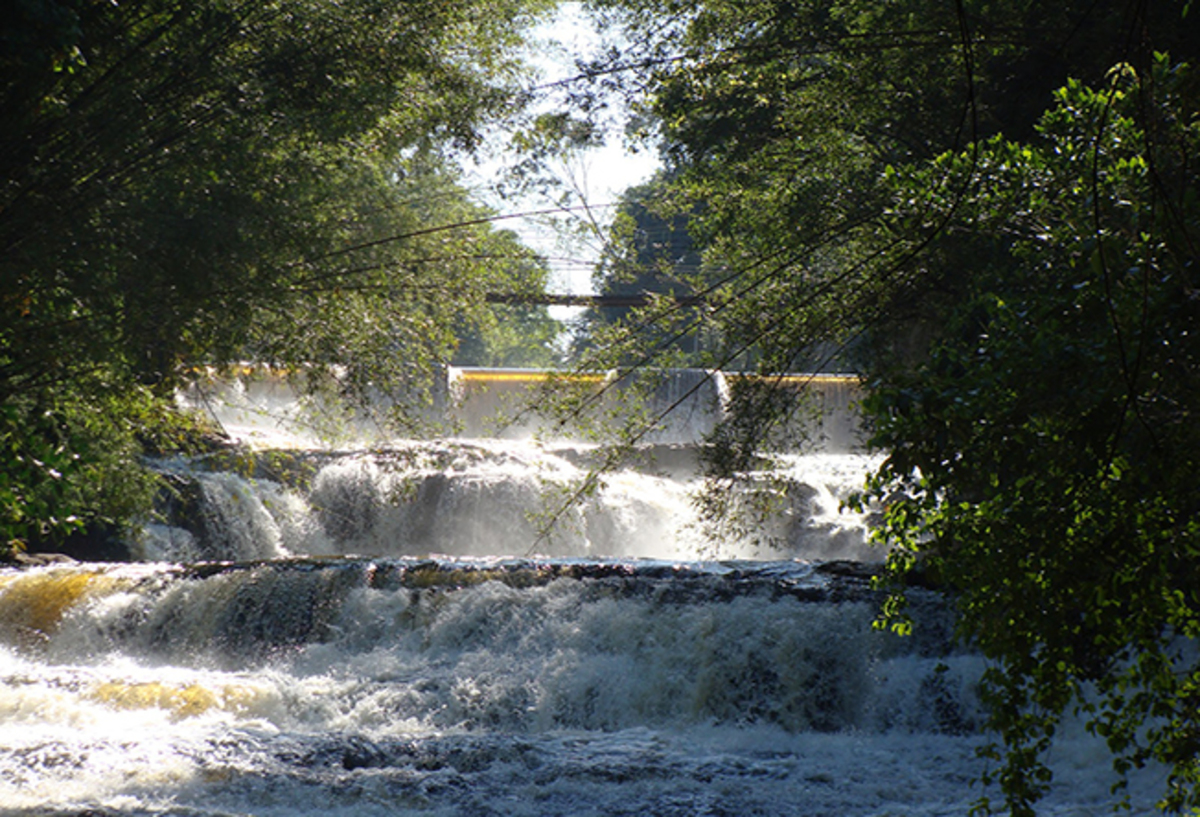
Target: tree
(1044,449)
(1018,285)
(193,183)
(778,121)
(647,253)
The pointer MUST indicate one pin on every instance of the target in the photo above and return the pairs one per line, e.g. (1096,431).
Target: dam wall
(672,406)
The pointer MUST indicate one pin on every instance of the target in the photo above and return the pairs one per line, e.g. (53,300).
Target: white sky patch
(591,181)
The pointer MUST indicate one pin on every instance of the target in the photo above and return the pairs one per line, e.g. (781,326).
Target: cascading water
(489,498)
(384,631)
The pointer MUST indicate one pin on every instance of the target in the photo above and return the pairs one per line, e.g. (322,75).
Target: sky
(598,177)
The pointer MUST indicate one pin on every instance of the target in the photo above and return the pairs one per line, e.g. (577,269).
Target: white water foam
(328,687)
(631,675)
(488,498)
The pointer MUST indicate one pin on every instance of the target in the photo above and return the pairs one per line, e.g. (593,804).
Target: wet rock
(22,559)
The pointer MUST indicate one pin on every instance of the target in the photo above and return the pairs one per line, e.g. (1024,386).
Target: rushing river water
(384,632)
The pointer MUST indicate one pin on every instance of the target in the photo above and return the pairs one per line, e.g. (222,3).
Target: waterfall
(385,686)
(274,407)
(496,498)
(474,626)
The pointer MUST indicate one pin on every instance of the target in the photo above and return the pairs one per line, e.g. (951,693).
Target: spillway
(397,629)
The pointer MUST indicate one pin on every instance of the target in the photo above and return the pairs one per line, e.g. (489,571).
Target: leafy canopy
(1044,450)
(1000,229)
(190,184)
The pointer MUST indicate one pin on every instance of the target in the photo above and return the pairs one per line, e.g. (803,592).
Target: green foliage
(198,184)
(1018,288)
(780,120)
(1044,451)
(71,464)
(647,253)
(509,335)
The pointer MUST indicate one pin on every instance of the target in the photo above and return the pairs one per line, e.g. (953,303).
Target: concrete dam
(676,406)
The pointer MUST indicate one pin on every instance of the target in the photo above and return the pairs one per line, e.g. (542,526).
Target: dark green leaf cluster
(186,185)
(648,252)
(991,211)
(1044,451)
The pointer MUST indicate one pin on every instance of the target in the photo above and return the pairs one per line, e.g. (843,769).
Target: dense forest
(190,185)
(992,211)
(989,211)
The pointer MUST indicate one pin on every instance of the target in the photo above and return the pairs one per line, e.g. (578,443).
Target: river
(382,631)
